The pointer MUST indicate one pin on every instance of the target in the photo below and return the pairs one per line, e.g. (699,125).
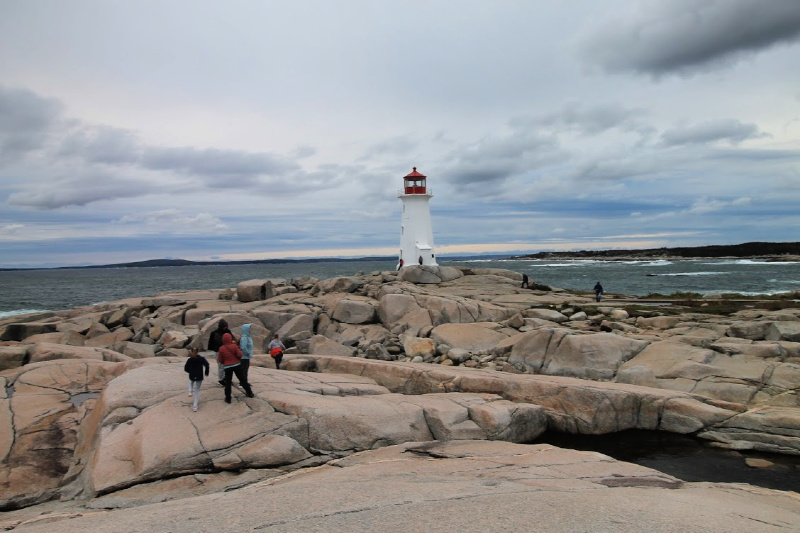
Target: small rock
(755,462)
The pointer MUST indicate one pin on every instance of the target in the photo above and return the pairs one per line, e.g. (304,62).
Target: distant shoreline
(765,251)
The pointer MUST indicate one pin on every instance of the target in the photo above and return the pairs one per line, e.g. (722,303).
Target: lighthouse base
(429,274)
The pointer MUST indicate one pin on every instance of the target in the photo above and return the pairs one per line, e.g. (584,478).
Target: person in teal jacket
(246,345)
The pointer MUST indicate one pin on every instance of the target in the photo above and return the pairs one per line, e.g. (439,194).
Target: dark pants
(241,376)
(246,369)
(278,358)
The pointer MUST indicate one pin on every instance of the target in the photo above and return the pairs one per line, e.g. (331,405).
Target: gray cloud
(25,121)
(497,159)
(589,120)
(684,36)
(246,167)
(78,191)
(101,144)
(730,130)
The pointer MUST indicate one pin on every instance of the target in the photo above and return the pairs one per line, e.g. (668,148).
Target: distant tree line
(747,249)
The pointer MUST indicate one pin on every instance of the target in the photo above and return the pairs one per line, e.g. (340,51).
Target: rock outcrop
(94,410)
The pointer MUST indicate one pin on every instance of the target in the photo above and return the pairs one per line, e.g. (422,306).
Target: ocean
(25,291)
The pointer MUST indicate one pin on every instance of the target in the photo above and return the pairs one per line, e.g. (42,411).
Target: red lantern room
(415,183)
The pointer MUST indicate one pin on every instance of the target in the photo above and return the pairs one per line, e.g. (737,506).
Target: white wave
(750,262)
(656,263)
(15,312)
(677,274)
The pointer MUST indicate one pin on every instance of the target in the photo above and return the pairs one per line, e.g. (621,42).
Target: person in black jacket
(194,367)
(598,292)
(215,342)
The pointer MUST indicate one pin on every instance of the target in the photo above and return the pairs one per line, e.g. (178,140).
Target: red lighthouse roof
(415,174)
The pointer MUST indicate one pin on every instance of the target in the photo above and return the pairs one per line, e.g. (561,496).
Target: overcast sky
(236,130)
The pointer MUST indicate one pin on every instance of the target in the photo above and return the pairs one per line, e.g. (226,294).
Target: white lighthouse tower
(416,232)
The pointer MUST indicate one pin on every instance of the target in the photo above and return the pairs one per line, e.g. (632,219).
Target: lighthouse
(416,232)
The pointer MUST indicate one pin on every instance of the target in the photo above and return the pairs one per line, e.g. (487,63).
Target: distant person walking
(598,291)
(524,282)
(276,349)
(194,366)
(246,345)
(215,343)
(230,357)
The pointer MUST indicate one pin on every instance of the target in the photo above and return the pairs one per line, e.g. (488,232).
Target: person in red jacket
(230,358)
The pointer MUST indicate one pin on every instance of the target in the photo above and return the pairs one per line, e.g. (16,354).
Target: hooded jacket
(215,340)
(246,342)
(229,354)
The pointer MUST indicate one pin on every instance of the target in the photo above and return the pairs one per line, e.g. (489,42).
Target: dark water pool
(686,457)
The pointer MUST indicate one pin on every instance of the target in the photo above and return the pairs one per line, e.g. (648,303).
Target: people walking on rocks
(215,342)
(598,292)
(524,282)
(246,345)
(195,365)
(276,349)
(230,357)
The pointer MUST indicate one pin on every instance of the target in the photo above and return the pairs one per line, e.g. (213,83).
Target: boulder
(116,318)
(353,311)
(44,351)
(107,340)
(546,314)
(416,346)
(13,356)
(321,345)
(657,322)
(254,290)
(379,352)
(472,337)
(563,353)
(298,328)
(750,329)
(174,339)
(97,329)
(23,330)
(424,274)
(138,350)
(340,284)
(783,331)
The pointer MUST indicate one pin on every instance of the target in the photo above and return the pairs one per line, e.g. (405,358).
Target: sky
(233,130)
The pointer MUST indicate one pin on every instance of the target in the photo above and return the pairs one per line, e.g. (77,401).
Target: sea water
(23,291)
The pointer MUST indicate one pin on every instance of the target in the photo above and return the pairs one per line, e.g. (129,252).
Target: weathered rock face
(352,311)
(13,356)
(325,346)
(470,337)
(410,486)
(429,274)
(39,419)
(562,353)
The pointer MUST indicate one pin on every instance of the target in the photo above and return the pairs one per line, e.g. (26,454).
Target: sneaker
(194,408)
(190,393)
(227,400)
(251,395)
(221,383)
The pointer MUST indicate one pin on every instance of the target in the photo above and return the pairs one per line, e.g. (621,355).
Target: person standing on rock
(276,349)
(598,292)
(246,345)
(524,282)
(215,342)
(230,357)
(194,367)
